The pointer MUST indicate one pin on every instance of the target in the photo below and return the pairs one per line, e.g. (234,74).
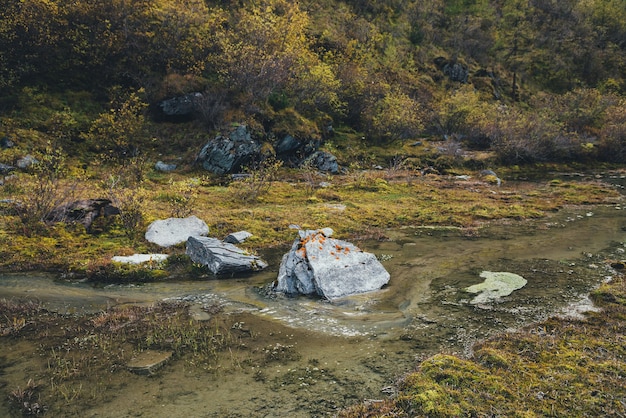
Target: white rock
(172,231)
(139,258)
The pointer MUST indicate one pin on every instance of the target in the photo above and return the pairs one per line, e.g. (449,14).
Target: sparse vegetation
(407,95)
(559,367)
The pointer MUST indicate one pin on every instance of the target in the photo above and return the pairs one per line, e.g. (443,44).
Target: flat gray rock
(172,231)
(221,257)
(164,167)
(149,361)
(237,237)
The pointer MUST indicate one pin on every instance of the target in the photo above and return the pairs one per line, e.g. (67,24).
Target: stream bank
(283,355)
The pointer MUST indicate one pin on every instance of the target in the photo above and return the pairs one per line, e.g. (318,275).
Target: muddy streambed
(355,348)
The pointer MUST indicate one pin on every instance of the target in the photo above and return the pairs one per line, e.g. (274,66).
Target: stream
(355,348)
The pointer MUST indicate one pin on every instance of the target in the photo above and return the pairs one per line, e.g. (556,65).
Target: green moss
(560,367)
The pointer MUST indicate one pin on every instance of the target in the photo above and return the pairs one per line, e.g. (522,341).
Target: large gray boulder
(221,257)
(227,154)
(331,268)
(293,151)
(172,231)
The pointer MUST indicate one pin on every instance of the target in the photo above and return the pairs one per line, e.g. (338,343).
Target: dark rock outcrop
(180,106)
(5,142)
(227,154)
(293,151)
(221,257)
(318,264)
(323,161)
(83,211)
(454,70)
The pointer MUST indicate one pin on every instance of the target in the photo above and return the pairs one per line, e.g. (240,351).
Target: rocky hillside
(528,80)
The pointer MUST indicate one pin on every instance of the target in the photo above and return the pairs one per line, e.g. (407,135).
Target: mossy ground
(560,368)
(358,205)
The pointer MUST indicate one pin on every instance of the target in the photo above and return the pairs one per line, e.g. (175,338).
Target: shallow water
(352,348)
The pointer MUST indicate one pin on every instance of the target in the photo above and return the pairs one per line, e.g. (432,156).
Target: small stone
(140,258)
(149,361)
(25,162)
(5,142)
(237,237)
(198,314)
(164,167)
(6,169)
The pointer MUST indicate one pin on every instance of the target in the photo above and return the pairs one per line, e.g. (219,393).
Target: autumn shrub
(45,187)
(317,88)
(181,198)
(260,51)
(526,137)
(211,107)
(394,116)
(257,179)
(118,132)
(125,191)
(612,142)
(465,115)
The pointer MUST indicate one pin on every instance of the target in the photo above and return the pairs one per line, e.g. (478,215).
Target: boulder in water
(331,268)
